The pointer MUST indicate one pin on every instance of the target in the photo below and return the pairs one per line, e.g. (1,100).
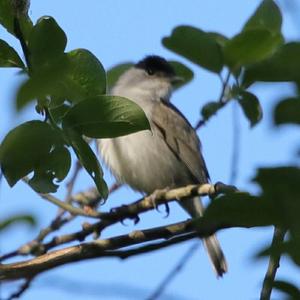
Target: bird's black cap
(154,64)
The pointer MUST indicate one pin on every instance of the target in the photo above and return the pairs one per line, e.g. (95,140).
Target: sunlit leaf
(266,16)
(9,57)
(219,38)
(197,46)
(284,65)
(106,116)
(75,76)
(251,46)
(85,75)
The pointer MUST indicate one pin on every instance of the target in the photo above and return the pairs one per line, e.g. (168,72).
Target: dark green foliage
(88,160)
(251,107)
(106,116)
(34,146)
(9,57)
(289,289)
(284,65)
(196,45)
(287,111)
(210,109)
(47,42)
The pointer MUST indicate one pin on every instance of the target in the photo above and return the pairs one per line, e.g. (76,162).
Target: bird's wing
(181,138)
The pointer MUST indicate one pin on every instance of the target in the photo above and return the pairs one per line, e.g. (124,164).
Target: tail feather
(195,208)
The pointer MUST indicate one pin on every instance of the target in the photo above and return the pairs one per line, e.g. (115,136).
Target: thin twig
(174,272)
(273,266)
(22,289)
(71,183)
(222,99)
(235,145)
(65,206)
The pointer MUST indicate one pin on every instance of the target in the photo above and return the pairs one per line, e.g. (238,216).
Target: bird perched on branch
(169,156)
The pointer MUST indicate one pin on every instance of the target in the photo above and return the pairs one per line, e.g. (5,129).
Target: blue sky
(118,31)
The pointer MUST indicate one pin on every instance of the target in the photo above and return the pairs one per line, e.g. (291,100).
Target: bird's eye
(150,72)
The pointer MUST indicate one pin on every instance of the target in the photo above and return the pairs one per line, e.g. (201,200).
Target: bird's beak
(177,80)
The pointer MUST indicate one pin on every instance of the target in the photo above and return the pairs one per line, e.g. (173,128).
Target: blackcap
(169,156)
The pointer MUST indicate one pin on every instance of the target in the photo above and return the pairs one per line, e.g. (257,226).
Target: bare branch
(22,289)
(273,266)
(120,213)
(30,268)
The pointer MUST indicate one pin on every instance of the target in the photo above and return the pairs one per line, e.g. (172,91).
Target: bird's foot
(154,199)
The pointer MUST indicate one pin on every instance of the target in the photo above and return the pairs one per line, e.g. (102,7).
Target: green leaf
(47,41)
(210,109)
(284,65)
(8,13)
(183,72)
(59,162)
(86,75)
(239,209)
(42,182)
(280,187)
(58,112)
(106,116)
(251,46)
(287,112)
(26,219)
(9,57)
(287,288)
(34,146)
(266,16)
(75,76)
(88,160)
(115,72)
(24,148)
(219,38)
(251,107)
(197,46)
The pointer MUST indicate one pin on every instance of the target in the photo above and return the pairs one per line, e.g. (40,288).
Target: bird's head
(153,74)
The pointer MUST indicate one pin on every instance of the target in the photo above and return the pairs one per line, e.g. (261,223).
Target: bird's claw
(153,199)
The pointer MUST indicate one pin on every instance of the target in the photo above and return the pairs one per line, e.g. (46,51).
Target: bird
(169,155)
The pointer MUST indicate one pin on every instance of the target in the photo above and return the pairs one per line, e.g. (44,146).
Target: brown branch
(102,248)
(30,268)
(273,266)
(130,211)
